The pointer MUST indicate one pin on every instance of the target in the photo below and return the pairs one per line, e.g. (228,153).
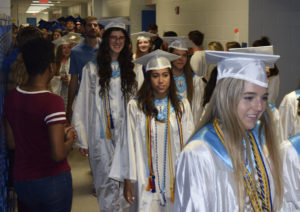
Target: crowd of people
(173,127)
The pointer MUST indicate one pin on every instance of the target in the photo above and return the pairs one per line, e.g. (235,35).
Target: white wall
(217,19)
(279,20)
(74,10)
(115,8)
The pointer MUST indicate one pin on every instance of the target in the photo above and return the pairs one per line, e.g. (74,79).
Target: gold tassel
(108,133)
(148,188)
(172,194)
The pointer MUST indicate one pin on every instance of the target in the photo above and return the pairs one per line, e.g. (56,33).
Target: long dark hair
(210,86)
(146,97)
(188,77)
(128,82)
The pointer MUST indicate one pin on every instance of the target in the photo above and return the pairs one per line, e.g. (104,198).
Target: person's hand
(129,192)
(84,152)
(70,133)
(64,79)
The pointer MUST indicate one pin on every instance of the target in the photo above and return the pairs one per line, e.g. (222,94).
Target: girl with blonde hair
(232,162)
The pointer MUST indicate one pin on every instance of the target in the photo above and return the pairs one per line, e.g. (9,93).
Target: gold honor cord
(107,116)
(255,196)
(151,179)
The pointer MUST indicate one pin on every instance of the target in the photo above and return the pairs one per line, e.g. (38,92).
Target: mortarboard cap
(143,35)
(67,39)
(181,43)
(78,19)
(258,50)
(157,60)
(70,18)
(114,22)
(245,66)
(61,19)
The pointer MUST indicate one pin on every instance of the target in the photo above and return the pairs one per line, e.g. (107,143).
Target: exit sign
(43,1)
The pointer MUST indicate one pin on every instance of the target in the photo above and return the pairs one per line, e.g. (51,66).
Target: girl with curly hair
(100,111)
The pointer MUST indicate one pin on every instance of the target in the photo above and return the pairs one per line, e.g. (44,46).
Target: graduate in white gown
(232,163)
(188,84)
(143,47)
(100,111)
(289,110)
(158,124)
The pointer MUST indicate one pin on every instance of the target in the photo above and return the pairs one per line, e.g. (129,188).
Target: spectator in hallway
(18,74)
(81,54)
(156,40)
(198,63)
(35,128)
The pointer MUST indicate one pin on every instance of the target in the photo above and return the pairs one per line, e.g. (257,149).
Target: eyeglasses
(91,24)
(115,38)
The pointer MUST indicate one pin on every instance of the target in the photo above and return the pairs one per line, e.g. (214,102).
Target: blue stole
(209,135)
(272,107)
(297,93)
(295,141)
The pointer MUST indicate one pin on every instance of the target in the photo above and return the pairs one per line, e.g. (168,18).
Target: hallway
(83,199)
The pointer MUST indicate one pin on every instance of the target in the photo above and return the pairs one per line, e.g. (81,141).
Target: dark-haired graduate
(35,122)
(158,124)
(188,84)
(100,110)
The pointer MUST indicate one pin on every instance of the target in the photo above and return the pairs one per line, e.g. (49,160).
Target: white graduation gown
(205,180)
(278,123)
(288,112)
(197,101)
(57,85)
(134,152)
(198,63)
(291,176)
(89,122)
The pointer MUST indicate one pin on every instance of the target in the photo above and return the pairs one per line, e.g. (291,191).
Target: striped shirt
(29,115)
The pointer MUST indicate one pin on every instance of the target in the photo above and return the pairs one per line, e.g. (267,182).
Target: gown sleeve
(194,173)
(80,119)
(291,177)
(287,115)
(187,121)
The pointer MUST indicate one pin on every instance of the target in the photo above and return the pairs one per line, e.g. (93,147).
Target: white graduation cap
(143,35)
(181,43)
(258,50)
(114,22)
(69,38)
(245,66)
(156,60)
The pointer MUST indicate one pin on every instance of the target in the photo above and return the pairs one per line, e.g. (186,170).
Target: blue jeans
(49,194)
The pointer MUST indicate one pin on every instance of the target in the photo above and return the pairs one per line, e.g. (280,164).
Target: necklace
(162,107)
(260,197)
(167,150)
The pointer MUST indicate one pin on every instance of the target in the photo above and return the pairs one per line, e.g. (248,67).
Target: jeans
(49,194)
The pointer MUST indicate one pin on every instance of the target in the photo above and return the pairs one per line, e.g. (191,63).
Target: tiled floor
(83,199)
